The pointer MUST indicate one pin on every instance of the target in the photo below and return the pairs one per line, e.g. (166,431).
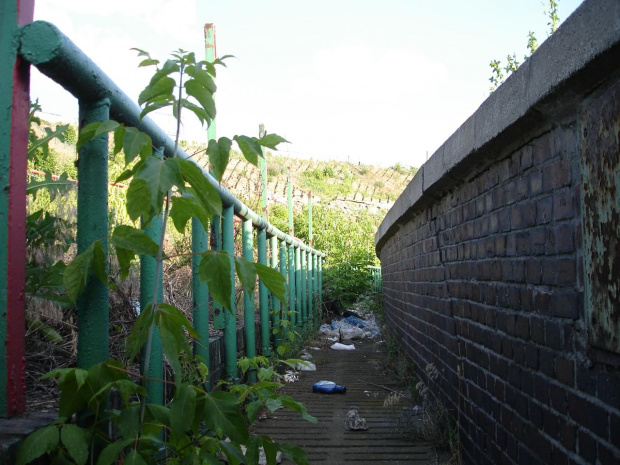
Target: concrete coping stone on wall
(575,59)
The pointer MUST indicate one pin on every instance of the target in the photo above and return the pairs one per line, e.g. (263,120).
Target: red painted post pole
(14,108)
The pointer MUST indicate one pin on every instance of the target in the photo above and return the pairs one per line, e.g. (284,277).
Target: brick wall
(483,274)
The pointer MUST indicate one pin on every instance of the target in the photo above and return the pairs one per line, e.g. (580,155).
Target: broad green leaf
(250,147)
(222,414)
(273,404)
(294,453)
(292,404)
(252,410)
(139,332)
(159,413)
(136,142)
(134,458)
(51,185)
(200,113)
(246,272)
(75,440)
(162,86)
(252,453)
(96,129)
(124,257)
(139,199)
(136,240)
(184,208)
(160,175)
(128,421)
(183,409)
(273,280)
(169,67)
(203,191)
(148,62)
(172,323)
(202,95)
(271,141)
(219,152)
(232,452)
(38,443)
(156,105)
(201,76)
(110,453)
(215,270)
(141,53)
(270,448)
(100,262)
(119,136)
(76,273)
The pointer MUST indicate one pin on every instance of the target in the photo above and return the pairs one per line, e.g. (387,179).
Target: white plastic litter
(339,346)
(305,366)
(290,376)
(354,422)
(306,356)
(314,348)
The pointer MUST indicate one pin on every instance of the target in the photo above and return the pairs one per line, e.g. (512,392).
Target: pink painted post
(13,266)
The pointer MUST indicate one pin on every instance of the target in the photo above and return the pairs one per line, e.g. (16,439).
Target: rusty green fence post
(14,107)
(298,294)
(275,304)
(151,282)
(304,289)
(216,241)
(248,298)
(263,294)
(284,274)
(92,225)
(310,288)
(292,292)
(320,284)
(200,293)
(230,317)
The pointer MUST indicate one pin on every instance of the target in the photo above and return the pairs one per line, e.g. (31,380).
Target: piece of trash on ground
(305,366)
(290,376)
(371,394)
(305,356)
(314,348)
(354,422)
(328,387)
(339,346)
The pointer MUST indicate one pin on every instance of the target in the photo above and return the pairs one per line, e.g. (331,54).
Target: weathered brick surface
(486,284)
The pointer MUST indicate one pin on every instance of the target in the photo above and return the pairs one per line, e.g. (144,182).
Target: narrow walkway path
(328,441)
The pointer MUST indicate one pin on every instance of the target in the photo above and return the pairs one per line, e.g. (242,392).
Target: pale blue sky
(379,82)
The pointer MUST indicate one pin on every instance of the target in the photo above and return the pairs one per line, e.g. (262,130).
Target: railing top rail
(43,45)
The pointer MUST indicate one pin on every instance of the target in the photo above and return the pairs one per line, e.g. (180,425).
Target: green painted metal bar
(315,288)
(248,298)
(14,107)
(263,176)
(92,225)
(298,294)
(304,288)
(263,294)
(230,317)
(320,284)
(292,292)
(275,303)
(283,270)
(216,241)
(200,293)
(151,283)
(289,195)
(310,288)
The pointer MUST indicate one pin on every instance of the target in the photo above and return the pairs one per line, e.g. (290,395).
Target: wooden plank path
(328,441)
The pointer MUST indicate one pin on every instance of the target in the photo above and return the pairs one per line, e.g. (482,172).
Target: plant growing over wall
(196,426)
(500,72)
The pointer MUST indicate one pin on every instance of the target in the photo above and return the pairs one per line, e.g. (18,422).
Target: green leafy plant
(500,72)
(105,414)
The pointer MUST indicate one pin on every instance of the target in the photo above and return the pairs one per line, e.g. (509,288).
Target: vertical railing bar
(310,289)
(200,294)
(292,292)
(298,285)
(230,316)
(248,298)
(92,225)
(14,108)
(263,294)
(148,277)
(304,289)
(216,241)
(284,274)
(275,304)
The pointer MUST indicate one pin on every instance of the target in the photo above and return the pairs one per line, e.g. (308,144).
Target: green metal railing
(377,281)
(44,46)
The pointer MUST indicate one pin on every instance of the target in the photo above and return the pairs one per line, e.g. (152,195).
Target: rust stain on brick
(600,177)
